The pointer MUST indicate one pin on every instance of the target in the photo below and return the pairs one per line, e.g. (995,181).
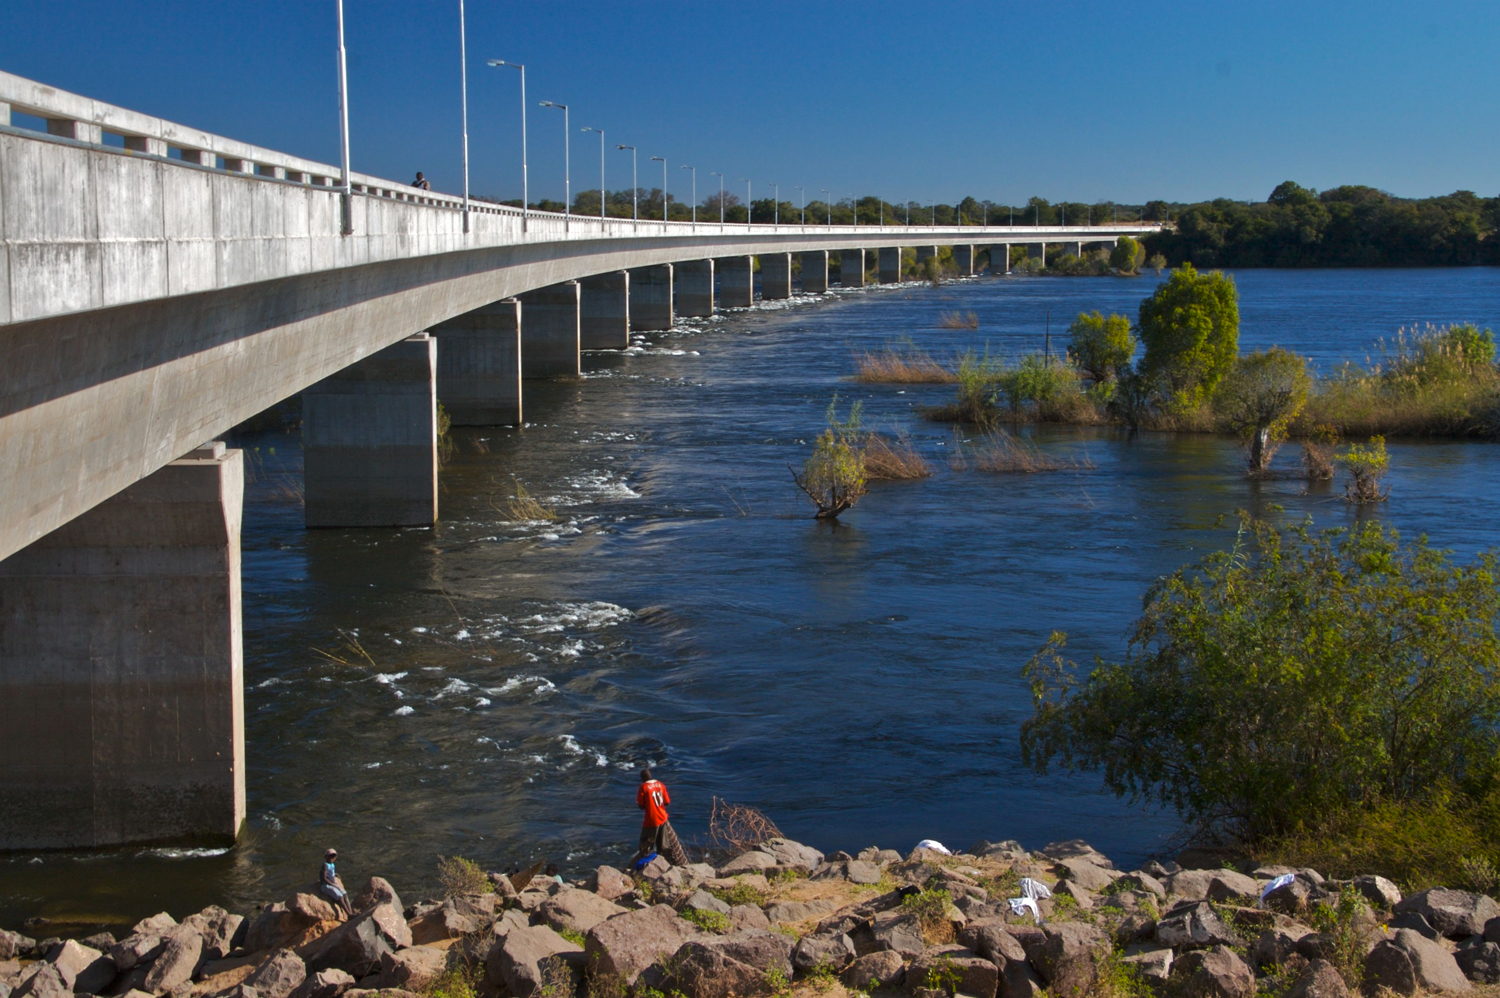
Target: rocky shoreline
(783,918)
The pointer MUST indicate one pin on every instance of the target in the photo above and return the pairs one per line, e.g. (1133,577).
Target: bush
(456,982)
(1157,263)
(457,876)
(975,401)
(833,476)
(1366,468)
(709,921)
(1127,255)
(1101,347)
(1037,381)
(1260,396)
(1191,331)
(1289,678)
(931,909)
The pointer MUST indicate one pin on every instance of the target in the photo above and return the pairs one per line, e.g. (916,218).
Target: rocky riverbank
(782,918)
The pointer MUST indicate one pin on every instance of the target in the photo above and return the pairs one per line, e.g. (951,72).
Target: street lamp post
(463,90)
(347,223)
(716,173)
(828,201)
(601,168)
(663,161)
(802,197)
(695,192)
(749,204)
(775,203)
(635,198)
(525,193)
(567,163)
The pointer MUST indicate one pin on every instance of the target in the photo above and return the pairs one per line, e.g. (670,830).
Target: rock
(747,916)
(358,945)
(1069,959)
(83,968)
(136,948)
(991,939)
(1154,962)
(156,925)
(180,954)
(101,941)
(1319,980)
(45,982)
(794,854)
(1229,886)
(1085,874)
(611,884)
(1378,891)
(526,960)
(573,910)
(1195,925)
(1289,899)
(1141,881)
(287,923)
(279,976)
(1136,928)
(874,969)
(13,945)
(446,922)
(1410,962)
(1418,924)
(899,932)
(1215,973)
(1480,962)
(414,969)
(1075,849)
(328,983)
(1161,871)
(829,950)
(797,911)
(1009,849)
(1190,884)
(1274,946)
(708,972)
(1456,914)
(860,871)
(1018,980)
(753,861)
(623,946)
(954,969)
(377,891)
(218,928)
(761,949)
(1068,888)
(703,901)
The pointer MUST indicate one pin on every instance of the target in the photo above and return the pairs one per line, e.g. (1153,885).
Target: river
(489,688)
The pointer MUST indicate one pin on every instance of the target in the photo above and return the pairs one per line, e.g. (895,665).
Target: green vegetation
(1344,942)
(1291,692)
(833,476)
(930,906)
(1101,348)
(461,981)
(740,893)
(1127,255)
(1366,467)
(1260,396)
(1191,331)
(709,921)
(457,875)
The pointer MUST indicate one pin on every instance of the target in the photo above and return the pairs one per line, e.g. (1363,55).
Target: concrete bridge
(158,286)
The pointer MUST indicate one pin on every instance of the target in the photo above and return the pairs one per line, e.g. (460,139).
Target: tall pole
(525,191)
(695,192)
(348,193)
(567,162)
(749,204)
(802,196)
(663,160)
(829,202)
(716,173)
(463,74)
(601,168)
(775,203)
(635,196)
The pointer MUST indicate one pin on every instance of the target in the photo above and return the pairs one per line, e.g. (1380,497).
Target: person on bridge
(421,182)
(656,831)
(331,887)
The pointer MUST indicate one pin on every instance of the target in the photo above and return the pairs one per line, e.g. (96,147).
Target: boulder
(1161,871)
(859,871)
(45,981)
(532,958)
(898,931)
(156,925)
(873,970)
(446,921)
(573,910)
(83,968)
(1073,849)
(610,884)
(358,944)
(1135,928)
(623,946)
(1215,973)
(1154,962)
(834,951)
(1378,891)
(1090,877)
(991,939)
(797,911)
(1319,980)
(1273,947)
(1082,897)
(1418,924)
(13,945)
(793,854)
(753,861)
(685,878)
(1141,881)
(377,891)
(287,923)
(1291,898)
(413,969)
(179,958)
(703,901)
(1191,884)
(761,949)
(1195,925)
(1480,962)
(1234,888)
(218,929)
(101,941)
(747,916)
(708,972)
(136,948)
(954,969)
(1410,962)
(328,983)
(1456,914)
(1018,980)
(279,976)
(1070,956)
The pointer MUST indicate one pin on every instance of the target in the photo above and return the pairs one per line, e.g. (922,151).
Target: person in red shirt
(656,830)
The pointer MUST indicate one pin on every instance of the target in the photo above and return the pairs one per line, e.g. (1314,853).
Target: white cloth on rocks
(1031,892)
(935,846)
(1276,884)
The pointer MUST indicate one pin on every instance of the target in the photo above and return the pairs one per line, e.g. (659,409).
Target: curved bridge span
(159,285)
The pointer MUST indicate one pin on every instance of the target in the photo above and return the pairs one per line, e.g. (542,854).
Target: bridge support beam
(695,288)
(963,258)
(369,440)
(736,281)
(1076,249)
(814,271)
(924,252)
(479,365)
(775,276)
(603,312)
(890,265)
(852,268)
(121,675)
(550,337)
(1038,251)
(651,297)
(1000,258)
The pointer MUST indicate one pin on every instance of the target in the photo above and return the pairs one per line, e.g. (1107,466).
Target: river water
(489,688)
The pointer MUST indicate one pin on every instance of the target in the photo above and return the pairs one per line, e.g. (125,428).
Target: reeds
(1002,452)
(524,508)
(902,365)
(958,320)
(891,460)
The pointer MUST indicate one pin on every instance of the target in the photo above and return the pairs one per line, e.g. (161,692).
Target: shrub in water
(1101,347)
(1260,396)
(1366,468)
(833,476)
(1191,331)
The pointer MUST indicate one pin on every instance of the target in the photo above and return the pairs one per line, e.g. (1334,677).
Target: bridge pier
(814,271)
(695,288)
(1038,251)
(775,276)
(736,281)
(369,440)
(1000,265)
(963,258)
(651,297)
(479,365)
(121,669)
(925,252)
(603,312)
(550,338)
(890,265)
(852,268)
(1076,249)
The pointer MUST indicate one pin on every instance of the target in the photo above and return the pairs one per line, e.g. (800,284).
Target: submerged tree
(833,476)
(1191,330)
(1101,347)
(1127,255)
(1262,393)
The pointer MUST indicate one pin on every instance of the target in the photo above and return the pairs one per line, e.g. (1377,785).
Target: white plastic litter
(935,846)
(1280,881)
(1031,892)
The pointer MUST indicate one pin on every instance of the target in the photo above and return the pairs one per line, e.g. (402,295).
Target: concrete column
(890,265)
(1038,251)
(1074,248)
(604,311)
(550,331)
(852,268)
(479,365)
(369,440)
(695,288)
(923,252)
(963,257)
(775,275)
(736,281)
(814,271)
(121,675)
(1000,264)
(651,297)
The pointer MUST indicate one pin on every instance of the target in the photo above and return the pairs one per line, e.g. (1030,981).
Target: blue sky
(1065,100)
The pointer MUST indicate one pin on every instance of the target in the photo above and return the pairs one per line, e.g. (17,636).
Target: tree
(1191,331)
(1291,192)
(1127,255)
(1261,394)
(1101,347)
(1287,679)
(833,476)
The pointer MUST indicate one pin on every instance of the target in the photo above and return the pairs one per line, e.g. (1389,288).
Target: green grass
(709,921)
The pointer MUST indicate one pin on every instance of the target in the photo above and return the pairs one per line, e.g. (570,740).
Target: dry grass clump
(525,508)
(893,460)
(738,828)
(905,365)
(459,876)
(958,320)
(1002,452)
